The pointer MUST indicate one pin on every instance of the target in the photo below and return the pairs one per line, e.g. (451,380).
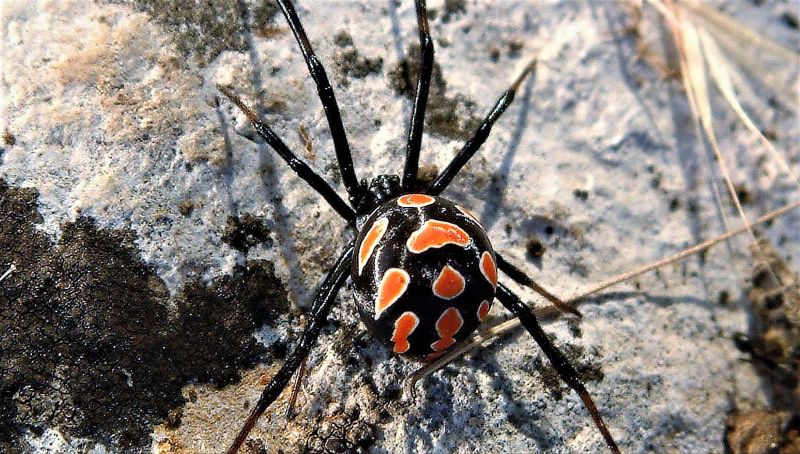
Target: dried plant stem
(8,272)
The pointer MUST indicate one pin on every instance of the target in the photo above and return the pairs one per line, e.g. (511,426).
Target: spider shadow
(494,199)
(266,157)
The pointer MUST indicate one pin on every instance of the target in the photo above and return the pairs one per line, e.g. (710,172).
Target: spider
(422,267)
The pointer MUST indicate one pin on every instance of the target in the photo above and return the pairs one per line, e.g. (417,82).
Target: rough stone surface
(154,238)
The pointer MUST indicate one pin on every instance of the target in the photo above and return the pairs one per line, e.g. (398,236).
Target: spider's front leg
(323,301)
(562,365)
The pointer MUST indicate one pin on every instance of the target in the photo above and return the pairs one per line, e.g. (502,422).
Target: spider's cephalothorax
(424,274)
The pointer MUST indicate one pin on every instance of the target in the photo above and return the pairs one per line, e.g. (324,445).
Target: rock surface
(137,201)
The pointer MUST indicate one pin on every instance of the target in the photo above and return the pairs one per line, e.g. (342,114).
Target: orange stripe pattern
(403,327)
(370,241)
(393,284)
(435,234)
(449,284)
(447,326)
(415,200)
(488,268)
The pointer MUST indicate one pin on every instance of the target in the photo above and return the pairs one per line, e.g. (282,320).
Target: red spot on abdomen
(449,284)
(483,310)
(415,200)
(371,240)
(447,326)
(435,234)
(403,327)
(392,286)
(488,268)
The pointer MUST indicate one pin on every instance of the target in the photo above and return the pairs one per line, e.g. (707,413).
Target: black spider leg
(420,98)
(328,99)
(318,316)
(565,370)
(480,136)
(300,168)
(519,276)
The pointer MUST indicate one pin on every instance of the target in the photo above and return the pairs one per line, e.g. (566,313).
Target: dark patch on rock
(426,174)
(442,114)
(774,336)
(246,232)
(91,342)
(9,139)
(202,30)
(453,7)
(343,39)
(534,247)
(581,194)
(350,63)
(186,207)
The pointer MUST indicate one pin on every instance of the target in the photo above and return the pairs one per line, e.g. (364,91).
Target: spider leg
(420,99)
(323,301)
(300,168)
(565,370)
(328,99)
(519,276)
(473,144)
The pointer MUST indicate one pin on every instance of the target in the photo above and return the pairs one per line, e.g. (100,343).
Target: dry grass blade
(720,72)
(693,74)
(738,31)
(552,312)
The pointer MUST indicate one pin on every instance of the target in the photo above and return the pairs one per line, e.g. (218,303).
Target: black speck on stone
(790,20)
(535,247)
(581,194)
(246,232)
(91,341)
(674,204)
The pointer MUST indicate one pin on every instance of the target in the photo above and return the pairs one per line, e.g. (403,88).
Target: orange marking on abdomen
(415,200)
(483,310)
(435,234)
(447,326)
(371,240)
(393,284)
(449,284)
(403,327)
(488,268)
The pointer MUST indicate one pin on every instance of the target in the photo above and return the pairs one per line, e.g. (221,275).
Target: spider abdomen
(424,274)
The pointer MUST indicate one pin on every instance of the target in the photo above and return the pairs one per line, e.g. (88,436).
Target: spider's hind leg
(323,301)
(519,276)
(565,370)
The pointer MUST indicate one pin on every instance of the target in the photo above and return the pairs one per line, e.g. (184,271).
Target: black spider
(417,253)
